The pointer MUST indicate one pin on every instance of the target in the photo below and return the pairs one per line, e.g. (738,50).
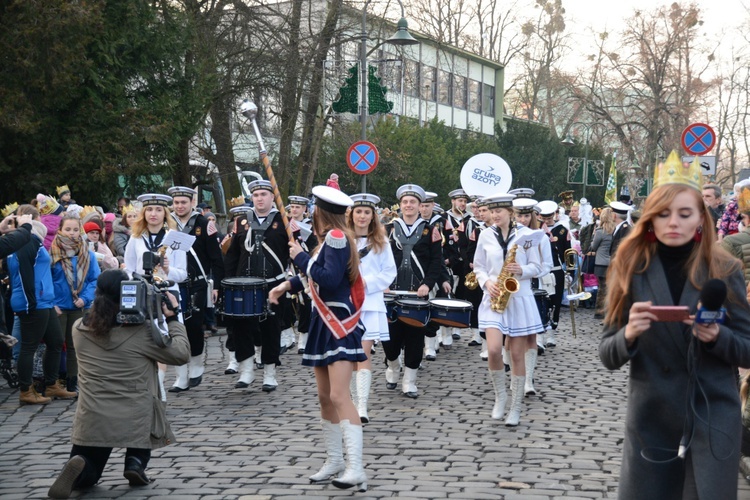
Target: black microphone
(713,295)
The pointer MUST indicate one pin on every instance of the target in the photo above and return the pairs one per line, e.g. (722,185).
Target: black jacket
(261,263)
(15,240)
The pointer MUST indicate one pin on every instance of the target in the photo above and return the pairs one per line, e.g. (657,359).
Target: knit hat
(92,226)
(108,283)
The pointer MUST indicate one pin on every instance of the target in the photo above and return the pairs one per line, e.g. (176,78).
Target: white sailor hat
(411,190)
(438,209)
(365,200)
(547,208)
(522,192)
(185,191)
(429,197)
(161,200)
(298,200)
(499,200)
(331,199)
(242,209)
(480,201)
(458,193)
(524,205)
(261,184)
(620,208)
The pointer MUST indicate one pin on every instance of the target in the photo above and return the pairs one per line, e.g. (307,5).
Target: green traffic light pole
(401,38)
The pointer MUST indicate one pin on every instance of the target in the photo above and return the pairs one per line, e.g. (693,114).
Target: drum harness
(406,242)
(255,245)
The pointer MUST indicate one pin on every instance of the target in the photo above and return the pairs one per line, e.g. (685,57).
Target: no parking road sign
(698,139)
(362,157)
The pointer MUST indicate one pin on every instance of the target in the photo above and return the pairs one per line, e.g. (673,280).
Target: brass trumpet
(575,291)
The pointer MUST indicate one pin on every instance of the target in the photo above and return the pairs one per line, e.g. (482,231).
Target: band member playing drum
(259,249)
(334,344)
(203,260)
(378,269)
(457,228)
(416,248)
(502,266)
(559,238)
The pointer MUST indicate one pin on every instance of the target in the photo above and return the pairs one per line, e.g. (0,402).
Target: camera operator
(16,230)
(119,404)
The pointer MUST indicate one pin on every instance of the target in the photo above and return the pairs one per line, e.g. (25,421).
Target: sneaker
(63,485)
(135,473)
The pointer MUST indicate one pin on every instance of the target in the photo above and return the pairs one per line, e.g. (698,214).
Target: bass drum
(244,297)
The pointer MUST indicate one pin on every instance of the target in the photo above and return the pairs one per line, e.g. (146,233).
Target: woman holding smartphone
(683,425)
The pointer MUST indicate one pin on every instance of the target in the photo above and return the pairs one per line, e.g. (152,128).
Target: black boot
(135,473)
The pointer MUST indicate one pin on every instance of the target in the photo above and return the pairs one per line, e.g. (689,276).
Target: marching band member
(559,238)
(520,318)
(334,344)
(378,269)
(484,221)
(203,260)
(297,208)
(623,227)
(259,249)
(149,230)
(428,213)
(416,249)
(456,231)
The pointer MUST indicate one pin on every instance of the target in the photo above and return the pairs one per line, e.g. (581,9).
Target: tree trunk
(221,133)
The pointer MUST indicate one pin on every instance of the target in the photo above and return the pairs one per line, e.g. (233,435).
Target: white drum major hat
(331,199)
(185,191)
(365,200)
(149,199)
(547,208)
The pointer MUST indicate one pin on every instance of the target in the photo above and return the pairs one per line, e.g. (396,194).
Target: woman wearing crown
(683,426)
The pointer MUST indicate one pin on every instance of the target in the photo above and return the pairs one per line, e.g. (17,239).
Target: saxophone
(507,283)
(470,281)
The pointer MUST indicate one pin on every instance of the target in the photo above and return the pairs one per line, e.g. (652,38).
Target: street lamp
(400,38)
(568,141)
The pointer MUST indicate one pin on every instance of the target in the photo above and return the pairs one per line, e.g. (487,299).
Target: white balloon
(486,174)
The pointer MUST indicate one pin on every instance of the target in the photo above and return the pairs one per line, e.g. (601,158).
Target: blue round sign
(698,139)
(362,157)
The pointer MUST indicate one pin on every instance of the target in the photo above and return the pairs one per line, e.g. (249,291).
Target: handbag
(589,262)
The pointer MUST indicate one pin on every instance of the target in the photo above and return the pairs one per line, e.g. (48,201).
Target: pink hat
(334,176)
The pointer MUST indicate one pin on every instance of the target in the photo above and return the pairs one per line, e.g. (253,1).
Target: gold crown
(87,210)
(236,202)
(62,189)
(9,209)
(673,171)
(127,209)
(743,196)
(49,205)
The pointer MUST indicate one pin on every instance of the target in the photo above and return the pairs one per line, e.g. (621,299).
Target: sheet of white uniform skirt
(520,318)
(376,326)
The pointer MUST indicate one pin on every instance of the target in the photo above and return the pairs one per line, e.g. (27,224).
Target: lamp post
(568,141)
(400,38)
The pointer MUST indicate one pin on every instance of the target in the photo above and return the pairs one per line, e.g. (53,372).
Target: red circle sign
(698,139)
(362,157)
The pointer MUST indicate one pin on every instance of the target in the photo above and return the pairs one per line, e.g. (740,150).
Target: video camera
(141,299)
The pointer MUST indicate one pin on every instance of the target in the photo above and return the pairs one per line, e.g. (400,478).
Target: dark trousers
(38,325)
(406,337)
(304,310)
(96,459)
(67,318)
(194,321)
(556,299)
(262,331)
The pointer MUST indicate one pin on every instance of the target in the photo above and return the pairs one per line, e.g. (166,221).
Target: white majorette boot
(409,383)
(258,360)
(353,388)
(302,343)
(233,365)
(501,395)
(446,337)
(269,378)
(335,453)
(195,370)
(391,374)
(246,374)
(530,359)
(430,348)
(182,382)
(551,338)
(485,354)
(456,333)
(476,339)
(364,379)
(516,400)
(354,474)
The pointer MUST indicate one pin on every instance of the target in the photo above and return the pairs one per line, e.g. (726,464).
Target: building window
(459,91)
(411,78)
(428,83)
(488,100)
(475,97)
(444,87)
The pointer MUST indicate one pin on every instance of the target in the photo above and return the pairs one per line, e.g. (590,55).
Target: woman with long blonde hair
(601,245)
(378,269)
(334,342)
(683,427)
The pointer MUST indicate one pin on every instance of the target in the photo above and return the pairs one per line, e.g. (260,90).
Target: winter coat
(14,240)
(63,294)
(52,223)
(31,278)
(120,237)
(119,404)
(104,256)
(660,362)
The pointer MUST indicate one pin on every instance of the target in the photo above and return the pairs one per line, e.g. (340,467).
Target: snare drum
(244,297)
(544,304)
(451,312)
(414,312)
(390,306)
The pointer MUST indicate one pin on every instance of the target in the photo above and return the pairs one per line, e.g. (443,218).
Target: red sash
(340,328)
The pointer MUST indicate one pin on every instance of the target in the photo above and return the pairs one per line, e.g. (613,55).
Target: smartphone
(670,313)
